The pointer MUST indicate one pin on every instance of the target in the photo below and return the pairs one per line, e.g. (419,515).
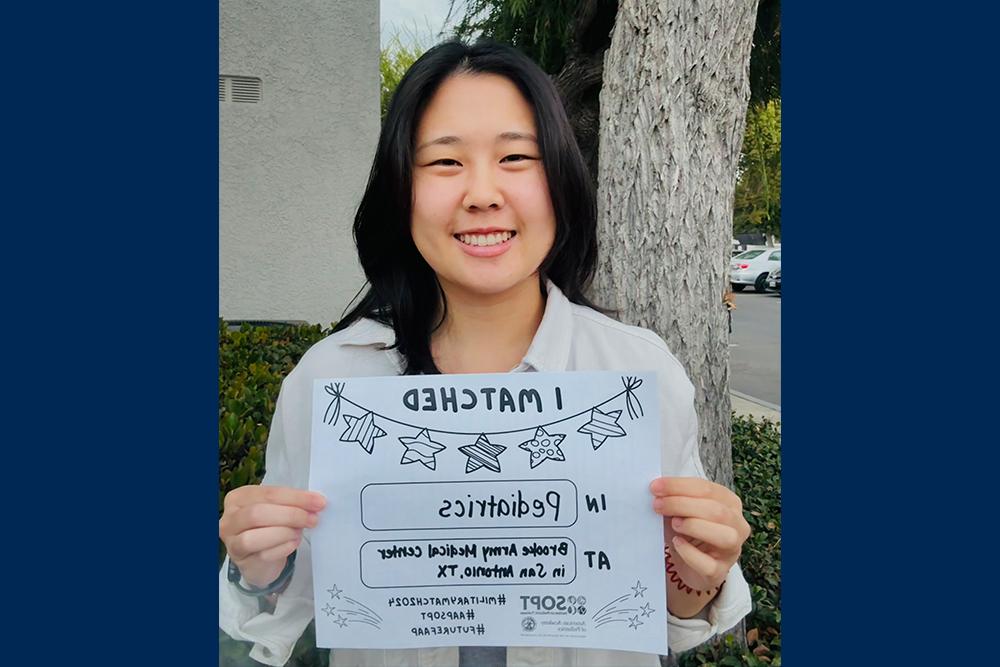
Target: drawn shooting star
(638,589)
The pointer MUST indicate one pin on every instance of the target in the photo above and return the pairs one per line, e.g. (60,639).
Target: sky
(421,17)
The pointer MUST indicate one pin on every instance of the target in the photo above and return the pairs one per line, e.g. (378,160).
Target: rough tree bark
(672,114)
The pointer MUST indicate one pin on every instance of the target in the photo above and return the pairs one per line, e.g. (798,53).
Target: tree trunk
(672,114)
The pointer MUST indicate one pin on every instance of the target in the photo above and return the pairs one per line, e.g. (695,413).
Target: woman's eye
(516,158)
(446,162)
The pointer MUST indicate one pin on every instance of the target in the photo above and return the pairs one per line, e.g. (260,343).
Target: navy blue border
(110,258)
(890,147)
(110,275)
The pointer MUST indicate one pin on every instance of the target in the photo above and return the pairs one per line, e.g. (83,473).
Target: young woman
(477,236)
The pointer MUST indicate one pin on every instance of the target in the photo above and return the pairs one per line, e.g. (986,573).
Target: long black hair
(404,292)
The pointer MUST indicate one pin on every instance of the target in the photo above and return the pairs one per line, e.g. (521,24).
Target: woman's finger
(259,540)
(278,553)
(697,508)
(695,487)
(725,539)
(253,494)
(263,568)
(262,515)
(700,562)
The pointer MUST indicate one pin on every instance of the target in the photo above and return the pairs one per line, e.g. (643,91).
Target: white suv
(751,268)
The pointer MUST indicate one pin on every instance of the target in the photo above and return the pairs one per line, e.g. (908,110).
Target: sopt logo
(561,603)
(546,602)
(528,624)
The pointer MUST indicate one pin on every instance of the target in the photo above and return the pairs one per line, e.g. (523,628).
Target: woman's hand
(703,527)
(262,525)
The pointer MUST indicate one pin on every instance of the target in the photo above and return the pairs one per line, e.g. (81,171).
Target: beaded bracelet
(675,578)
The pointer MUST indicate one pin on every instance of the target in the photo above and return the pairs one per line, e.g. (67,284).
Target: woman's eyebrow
(445,141)
(517,136)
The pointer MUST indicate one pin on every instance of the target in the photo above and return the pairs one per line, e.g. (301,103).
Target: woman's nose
(482,192)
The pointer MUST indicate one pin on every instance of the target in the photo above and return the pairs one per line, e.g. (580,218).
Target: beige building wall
(293,165)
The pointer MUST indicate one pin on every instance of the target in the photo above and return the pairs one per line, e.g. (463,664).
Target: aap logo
(528,624)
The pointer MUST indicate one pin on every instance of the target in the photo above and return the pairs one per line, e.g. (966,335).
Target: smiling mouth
(485,240)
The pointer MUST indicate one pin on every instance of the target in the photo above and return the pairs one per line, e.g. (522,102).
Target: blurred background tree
(395,58)
(757,202)
(401,49)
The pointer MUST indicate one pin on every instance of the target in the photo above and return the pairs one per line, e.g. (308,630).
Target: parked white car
(752,268)
(774,281)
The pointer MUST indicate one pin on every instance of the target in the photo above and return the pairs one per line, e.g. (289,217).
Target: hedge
(757,475)
(254,359)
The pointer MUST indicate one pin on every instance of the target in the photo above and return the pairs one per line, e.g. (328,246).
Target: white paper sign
(488,510)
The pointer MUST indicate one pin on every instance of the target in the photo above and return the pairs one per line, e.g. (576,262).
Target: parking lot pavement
(755,348)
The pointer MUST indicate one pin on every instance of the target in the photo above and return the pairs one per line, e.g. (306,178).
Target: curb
(748,406)
(760,402)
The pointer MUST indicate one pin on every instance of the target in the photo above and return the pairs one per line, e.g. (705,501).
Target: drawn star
(634,622)
(638,589)
(341,621)
(334,592)
(362,430)
(646,610)
(602,425)
(543,446)
(421,449)
(329,610)
(482,454)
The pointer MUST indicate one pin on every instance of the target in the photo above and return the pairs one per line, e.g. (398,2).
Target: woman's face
(482,216)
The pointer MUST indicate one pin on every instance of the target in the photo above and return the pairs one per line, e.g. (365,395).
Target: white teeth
(495,238)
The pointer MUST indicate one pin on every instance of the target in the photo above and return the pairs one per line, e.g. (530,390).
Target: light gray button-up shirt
(570,338)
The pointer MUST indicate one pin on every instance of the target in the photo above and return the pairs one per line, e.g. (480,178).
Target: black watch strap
(234,575)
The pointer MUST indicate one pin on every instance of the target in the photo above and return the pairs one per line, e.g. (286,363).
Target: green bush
(252,363)
(254,360)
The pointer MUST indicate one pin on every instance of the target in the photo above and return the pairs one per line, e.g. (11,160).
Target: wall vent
(243,89)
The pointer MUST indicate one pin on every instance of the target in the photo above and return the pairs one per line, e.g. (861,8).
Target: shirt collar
(366,331)
(549,349)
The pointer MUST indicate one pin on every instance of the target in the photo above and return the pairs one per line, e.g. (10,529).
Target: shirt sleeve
(733,602)
(273,635)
